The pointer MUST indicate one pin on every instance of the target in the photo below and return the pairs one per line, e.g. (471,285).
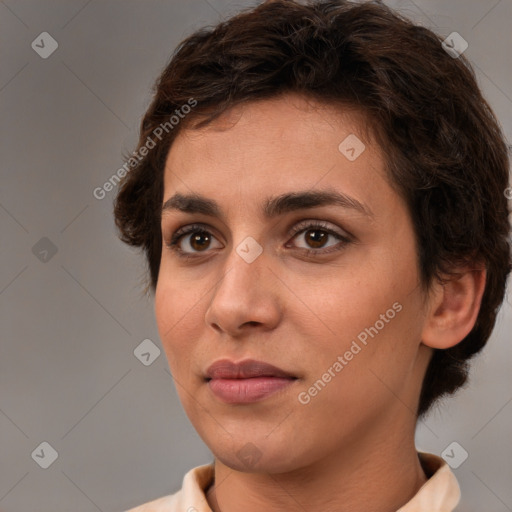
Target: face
(328,291)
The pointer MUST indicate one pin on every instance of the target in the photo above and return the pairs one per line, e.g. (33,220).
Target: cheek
(171,308)
(374,302)
(350,304)
(179,311)
(164,308)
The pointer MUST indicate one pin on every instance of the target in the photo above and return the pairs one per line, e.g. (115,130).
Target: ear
(454,307)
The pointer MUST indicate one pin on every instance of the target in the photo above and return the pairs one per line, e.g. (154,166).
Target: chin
(261,457)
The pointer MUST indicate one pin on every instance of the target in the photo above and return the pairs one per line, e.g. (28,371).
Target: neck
(382,477)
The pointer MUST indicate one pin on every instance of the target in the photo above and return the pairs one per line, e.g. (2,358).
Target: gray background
(70,324)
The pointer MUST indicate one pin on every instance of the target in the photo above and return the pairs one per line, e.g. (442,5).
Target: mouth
(246,382)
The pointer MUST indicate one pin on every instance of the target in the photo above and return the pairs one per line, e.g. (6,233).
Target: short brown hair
(445,152)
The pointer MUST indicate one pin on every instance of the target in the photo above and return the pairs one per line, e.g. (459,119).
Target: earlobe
(454,308)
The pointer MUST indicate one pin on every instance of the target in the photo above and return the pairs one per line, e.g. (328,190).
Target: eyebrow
(272,207)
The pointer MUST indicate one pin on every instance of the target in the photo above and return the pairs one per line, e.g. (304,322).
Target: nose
(246,296)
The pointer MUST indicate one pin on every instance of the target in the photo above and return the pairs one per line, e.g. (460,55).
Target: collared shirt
(440,493)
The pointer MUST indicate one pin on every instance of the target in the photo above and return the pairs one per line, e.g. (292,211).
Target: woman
(319,191)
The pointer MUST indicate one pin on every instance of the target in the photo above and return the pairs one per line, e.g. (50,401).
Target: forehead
(289,118)
(270,147)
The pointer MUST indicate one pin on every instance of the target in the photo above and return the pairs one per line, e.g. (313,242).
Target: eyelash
(303,226)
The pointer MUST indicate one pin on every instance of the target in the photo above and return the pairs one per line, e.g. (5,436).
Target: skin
(351,448)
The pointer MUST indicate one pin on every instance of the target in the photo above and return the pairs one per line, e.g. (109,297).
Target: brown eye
(315,235)
(198,242)
(316,238)
(191,240)
(194,241)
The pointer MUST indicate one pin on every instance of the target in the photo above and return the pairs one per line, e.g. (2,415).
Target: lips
(250,368)
(246,382)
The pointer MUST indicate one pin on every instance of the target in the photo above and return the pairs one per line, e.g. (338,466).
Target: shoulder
(441,492)
(164,504)
(190,498)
